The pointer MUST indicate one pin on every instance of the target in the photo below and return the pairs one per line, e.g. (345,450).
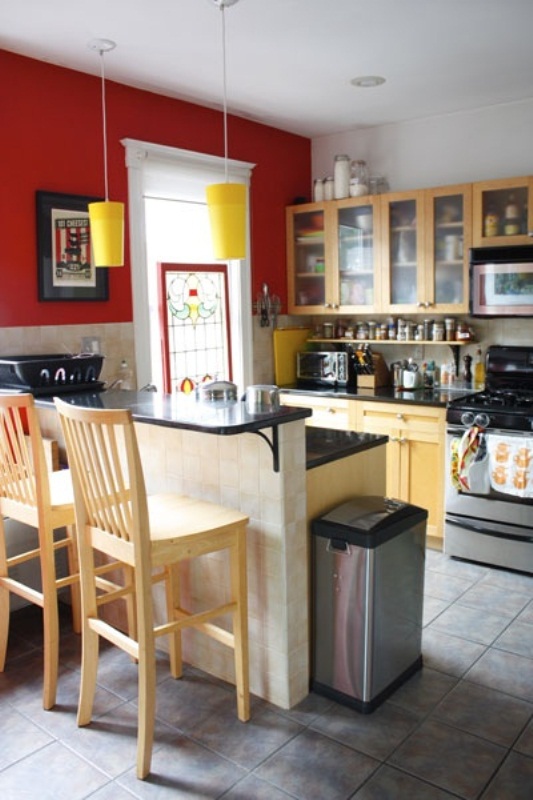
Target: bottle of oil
(479,370)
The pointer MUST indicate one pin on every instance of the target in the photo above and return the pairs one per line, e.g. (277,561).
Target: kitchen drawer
(327,412)
(383,417)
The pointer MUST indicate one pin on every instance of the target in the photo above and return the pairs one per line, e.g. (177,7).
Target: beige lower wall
(115,340)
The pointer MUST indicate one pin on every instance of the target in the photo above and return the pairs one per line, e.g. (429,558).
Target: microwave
(501,281)
(322,367)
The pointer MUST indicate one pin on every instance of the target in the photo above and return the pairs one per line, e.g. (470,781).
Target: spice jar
(438,332)
(449,325)
(341,178)
(327,330)
(372,330)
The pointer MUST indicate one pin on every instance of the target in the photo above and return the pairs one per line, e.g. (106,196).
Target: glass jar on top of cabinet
(306,257)
(502,212)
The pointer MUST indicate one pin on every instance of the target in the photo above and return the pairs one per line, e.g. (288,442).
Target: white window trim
(138,157)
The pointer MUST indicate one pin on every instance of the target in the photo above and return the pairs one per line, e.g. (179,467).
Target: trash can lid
(369,520)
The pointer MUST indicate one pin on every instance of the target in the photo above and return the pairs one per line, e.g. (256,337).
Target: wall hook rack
(267,307)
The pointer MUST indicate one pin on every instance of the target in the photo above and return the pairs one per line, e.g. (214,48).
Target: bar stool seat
(149,536)
(44,500)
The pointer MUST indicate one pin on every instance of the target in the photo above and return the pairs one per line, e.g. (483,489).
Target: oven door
(478,497)
(481,523)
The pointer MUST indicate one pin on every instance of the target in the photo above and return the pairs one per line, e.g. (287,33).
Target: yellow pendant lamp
(106,218)
(227,201)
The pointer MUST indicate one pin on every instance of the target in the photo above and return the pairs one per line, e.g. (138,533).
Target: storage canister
(318,190)
(449,324)
(438,332)
(328,189)
(341,175)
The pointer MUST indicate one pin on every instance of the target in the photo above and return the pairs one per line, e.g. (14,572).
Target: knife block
(380,377)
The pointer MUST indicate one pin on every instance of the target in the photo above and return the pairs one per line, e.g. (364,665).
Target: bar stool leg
(240,623)
(172,588)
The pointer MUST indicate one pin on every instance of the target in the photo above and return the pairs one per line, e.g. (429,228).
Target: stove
(507,400)
(489,482)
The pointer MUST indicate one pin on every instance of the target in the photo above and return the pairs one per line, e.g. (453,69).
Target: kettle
(262,399)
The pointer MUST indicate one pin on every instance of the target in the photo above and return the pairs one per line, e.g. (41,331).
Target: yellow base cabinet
(415,455)
(327,412)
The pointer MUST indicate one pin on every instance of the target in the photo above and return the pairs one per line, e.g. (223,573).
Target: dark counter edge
(387,394)
(324,445)
(160,409)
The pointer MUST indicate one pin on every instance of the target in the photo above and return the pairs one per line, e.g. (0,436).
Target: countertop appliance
(489,476)
(51,374)
(323,367)
(368,587)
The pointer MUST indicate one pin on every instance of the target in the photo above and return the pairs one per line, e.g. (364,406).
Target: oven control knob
(482,420)
(467,418)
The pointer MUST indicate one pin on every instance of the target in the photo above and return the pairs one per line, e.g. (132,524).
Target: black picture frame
(64,264)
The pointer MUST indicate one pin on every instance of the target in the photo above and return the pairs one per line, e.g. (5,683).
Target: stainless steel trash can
(368,559)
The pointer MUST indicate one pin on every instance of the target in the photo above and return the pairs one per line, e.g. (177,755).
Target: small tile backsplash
(114,341)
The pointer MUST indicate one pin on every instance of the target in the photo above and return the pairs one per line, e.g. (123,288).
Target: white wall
(494,142)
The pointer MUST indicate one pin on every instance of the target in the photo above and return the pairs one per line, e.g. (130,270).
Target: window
(195,324)
(169,225)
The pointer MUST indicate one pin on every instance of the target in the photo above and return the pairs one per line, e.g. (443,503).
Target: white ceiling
(290,62)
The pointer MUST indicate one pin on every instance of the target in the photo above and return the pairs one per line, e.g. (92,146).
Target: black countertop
(183,411)
(324,445)
(387,394)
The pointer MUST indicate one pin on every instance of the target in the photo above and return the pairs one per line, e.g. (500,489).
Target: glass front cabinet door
(403,251)
(449,238)
(357,277)
(502,212)
(306,258)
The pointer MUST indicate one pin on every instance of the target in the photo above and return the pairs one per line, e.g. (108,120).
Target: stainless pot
(217,390)
(262,399)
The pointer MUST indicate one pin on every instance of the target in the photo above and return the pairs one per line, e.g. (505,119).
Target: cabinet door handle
(400,439)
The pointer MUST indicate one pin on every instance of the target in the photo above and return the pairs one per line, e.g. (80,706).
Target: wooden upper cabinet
(448,238)
(502,213)
(402,251)
(332,258)
(306,258)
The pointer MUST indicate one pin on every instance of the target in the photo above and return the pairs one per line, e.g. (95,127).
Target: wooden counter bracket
(274,445)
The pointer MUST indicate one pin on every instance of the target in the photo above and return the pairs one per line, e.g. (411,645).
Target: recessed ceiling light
(367,81)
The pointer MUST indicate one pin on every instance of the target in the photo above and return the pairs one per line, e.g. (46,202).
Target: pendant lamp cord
(104,123)
(224,91)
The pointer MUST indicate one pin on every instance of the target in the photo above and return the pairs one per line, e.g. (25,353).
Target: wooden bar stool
(32,494)
(150,536)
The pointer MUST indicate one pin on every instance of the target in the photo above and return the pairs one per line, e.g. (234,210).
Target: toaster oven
(322,367)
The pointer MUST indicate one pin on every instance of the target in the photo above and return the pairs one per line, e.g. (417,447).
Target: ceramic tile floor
(462,727)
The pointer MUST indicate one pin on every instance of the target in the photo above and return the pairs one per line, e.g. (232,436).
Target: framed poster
(64,261)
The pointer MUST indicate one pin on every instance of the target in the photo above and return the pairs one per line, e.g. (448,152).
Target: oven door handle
(499,530)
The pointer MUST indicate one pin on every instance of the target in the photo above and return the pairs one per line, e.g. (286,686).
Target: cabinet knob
(420,305)
(399,439)
(399,416)
(332,410)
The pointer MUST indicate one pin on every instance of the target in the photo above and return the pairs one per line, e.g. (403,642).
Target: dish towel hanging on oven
(511,464)
(469,462)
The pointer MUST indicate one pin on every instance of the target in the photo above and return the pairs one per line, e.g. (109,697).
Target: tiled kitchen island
(256,463)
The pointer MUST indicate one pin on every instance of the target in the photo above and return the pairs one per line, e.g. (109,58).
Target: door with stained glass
(194,315)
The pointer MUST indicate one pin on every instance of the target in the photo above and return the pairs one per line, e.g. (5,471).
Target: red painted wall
(51,139)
